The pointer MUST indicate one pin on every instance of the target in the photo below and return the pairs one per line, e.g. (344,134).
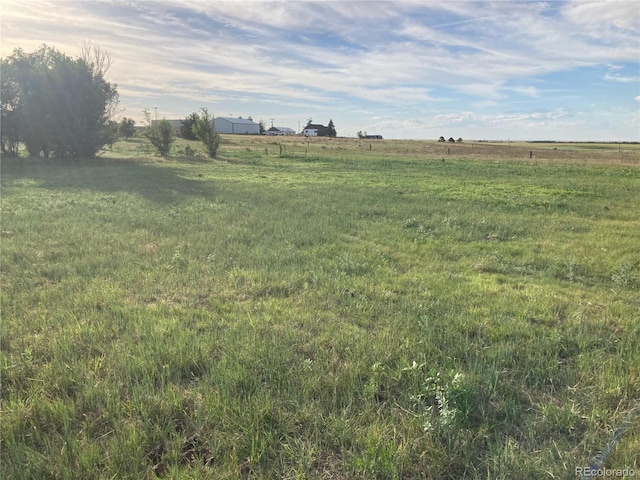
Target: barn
(236,125)
(176,124)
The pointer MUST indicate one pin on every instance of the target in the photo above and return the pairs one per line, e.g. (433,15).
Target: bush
(161,134)
(204,130)
(186,128)
(127,127)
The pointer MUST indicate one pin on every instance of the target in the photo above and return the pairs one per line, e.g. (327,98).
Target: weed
(444,401)
(626,274)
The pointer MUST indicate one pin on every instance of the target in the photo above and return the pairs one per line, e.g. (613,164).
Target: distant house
(280,131)
(315,130)
(236,125)
(373,137)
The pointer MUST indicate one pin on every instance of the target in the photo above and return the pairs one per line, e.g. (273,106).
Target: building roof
(243,121)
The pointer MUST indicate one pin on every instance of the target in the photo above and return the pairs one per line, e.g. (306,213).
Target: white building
(236,125)
(280,131)
(316,130)
(176,124)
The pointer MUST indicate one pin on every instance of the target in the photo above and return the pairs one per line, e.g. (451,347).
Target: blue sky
(558,70)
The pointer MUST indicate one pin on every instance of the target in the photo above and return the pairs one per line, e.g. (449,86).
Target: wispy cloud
(616,73)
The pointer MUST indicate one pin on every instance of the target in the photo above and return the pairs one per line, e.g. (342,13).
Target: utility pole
(272,122)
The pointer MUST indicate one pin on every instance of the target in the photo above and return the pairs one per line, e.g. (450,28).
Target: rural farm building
(280,131)
(314,130)
(176,124)
(236,125)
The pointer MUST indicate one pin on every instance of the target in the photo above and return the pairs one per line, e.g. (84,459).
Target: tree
(262,126)
(112,133)
(28,73)
(99,61)
(161,134)
(331,129)
(84,102)
(204,130)
(186,127)
(362,134)
(127,127)
(9,111)
(63,104)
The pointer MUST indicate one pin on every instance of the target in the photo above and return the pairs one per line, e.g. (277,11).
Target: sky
(483,70)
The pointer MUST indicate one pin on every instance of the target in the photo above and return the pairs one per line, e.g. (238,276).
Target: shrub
(204,130)
(161,134)
(186,127)
(127,127)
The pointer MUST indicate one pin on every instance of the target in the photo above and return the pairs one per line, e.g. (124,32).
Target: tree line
(57,105)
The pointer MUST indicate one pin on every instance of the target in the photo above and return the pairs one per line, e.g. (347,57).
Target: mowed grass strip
(320,314)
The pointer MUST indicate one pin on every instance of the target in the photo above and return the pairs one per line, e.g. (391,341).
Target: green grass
(325,312)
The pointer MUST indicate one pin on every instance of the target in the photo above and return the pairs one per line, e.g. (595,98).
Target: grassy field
(321,309)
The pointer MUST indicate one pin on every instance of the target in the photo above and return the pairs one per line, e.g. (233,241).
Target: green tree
(161,134)
(64,104)
(112,133)
(28,73)
(186,127)
(205,131)
(127,127)
(262,126)
(331,129)
(9,110)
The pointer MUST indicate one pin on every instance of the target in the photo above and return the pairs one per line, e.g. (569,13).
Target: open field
(534,152)
(321,309)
